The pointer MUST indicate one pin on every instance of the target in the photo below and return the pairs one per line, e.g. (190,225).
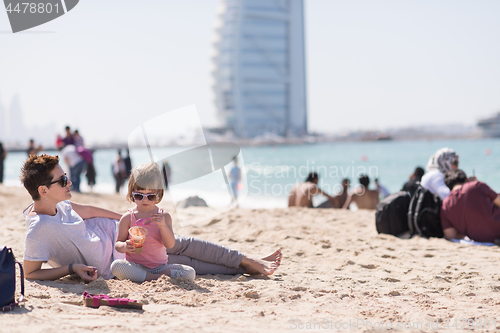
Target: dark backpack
(423,214)
(8,280)
(391,215)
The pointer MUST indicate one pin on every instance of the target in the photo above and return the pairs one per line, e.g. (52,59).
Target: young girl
(145,188)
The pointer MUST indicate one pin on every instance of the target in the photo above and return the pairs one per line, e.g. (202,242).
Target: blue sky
(107,66)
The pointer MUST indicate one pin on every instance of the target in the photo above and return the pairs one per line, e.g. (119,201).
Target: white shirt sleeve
(434,182)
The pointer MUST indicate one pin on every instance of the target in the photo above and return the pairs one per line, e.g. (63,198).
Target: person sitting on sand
(412,184)
(145,189)
(76,238)
(338,200)
(382,190)
(471,209)
(444,160)
(362,196)
(302,193)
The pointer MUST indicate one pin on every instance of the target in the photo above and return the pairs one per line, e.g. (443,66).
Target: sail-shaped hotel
(259,75)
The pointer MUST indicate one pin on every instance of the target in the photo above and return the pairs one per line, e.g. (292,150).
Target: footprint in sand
(214,221)
(252,294)
(386,256)
(390,280)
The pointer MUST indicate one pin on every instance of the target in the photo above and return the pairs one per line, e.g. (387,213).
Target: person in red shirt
(471,209)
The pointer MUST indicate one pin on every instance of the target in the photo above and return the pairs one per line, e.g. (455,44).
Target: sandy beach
(337,274)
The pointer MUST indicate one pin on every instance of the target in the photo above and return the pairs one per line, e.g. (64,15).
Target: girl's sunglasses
(140,196)
(63,181)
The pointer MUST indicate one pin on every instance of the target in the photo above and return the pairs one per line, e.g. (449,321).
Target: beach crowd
(140,244)
(469,209)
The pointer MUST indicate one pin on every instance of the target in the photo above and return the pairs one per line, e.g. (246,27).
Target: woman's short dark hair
(36,171)
(454,177)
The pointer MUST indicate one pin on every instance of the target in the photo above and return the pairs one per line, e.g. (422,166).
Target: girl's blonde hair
(145,177)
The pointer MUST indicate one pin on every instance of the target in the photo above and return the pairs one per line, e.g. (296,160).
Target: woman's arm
(88,211)
(33,270)
(438,187)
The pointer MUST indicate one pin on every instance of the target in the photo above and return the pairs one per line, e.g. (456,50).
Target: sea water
(270,171)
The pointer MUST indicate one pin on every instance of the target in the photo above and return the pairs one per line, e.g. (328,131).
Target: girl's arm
(164,223)
(123,244)
(87,212)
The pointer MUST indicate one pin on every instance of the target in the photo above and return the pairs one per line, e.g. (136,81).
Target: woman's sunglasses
(140,196)
(63,181)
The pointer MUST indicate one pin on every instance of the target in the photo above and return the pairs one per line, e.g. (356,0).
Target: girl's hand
(159,220)
(129,246)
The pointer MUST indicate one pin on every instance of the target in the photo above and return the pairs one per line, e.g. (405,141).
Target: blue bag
(8,280)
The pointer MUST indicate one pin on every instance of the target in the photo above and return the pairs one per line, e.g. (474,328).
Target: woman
(444,160)
(75,238)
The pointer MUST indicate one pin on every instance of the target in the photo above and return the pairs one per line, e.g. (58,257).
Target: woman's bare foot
(275,257)
(265,266)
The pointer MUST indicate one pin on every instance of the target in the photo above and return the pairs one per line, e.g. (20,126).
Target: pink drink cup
(137,235)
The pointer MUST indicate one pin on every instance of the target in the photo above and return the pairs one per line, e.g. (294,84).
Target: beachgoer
(362,196)
(166,172)
(91,175)
(302,193)
(444,160)
(471,209)
(338,200)
(119,171)
(32,150)
(145,189)
(235,177)
(128,164)
(77,139)
(59,142)
(68,139)
(412,184)
(75,238)
(76,164)
(3,155)
(382,190)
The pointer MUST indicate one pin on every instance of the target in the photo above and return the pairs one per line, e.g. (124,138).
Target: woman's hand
(86,273)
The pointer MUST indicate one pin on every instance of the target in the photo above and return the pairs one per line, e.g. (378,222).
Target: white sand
(336,272)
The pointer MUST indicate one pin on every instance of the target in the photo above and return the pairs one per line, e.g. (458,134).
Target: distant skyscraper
(260,81)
